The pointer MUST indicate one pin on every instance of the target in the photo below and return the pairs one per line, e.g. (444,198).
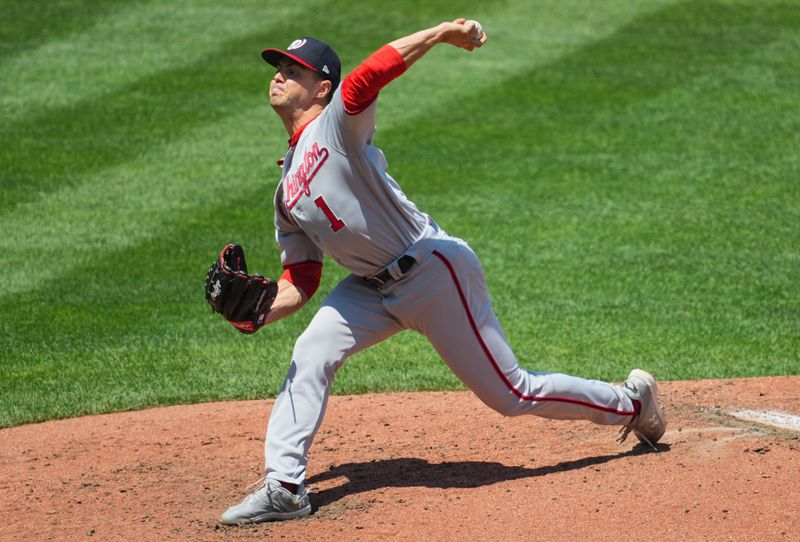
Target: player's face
(293,86)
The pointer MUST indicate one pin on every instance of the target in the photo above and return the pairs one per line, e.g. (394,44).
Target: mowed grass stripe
(25,26)
(105,46)
(523,36)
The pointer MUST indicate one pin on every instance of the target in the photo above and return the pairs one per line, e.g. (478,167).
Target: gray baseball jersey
(337,197)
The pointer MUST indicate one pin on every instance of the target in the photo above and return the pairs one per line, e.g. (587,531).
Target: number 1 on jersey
(336,223)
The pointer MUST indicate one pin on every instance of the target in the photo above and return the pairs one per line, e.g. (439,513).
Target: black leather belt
(405,263)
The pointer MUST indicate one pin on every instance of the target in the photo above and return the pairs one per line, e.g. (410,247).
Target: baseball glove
(243,299)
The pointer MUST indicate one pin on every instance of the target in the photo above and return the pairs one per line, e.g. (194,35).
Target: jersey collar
(296,137)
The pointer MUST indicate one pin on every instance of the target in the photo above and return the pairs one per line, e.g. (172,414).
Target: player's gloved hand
(243,299)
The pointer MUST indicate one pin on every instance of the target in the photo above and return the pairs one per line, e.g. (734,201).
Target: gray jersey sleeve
(349,133)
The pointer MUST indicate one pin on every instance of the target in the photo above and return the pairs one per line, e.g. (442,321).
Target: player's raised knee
(506,406)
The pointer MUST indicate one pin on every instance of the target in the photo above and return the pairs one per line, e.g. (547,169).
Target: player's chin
(277,101)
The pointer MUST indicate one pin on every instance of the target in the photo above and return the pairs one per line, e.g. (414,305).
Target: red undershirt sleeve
(304,275)
(361,87)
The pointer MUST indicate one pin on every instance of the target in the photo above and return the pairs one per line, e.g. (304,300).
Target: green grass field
(629,173)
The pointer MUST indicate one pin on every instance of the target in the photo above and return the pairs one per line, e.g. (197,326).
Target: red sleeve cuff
(304,275)
(361,87)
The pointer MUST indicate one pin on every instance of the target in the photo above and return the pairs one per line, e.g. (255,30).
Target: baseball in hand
(476,38)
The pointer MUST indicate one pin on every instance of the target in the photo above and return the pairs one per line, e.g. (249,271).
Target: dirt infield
(437,466)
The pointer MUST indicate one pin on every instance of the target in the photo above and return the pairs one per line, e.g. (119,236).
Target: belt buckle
(374,281)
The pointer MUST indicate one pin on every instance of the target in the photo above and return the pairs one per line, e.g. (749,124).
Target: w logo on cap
(296,44)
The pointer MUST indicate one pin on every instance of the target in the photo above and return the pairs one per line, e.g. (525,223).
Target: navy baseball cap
(313,54)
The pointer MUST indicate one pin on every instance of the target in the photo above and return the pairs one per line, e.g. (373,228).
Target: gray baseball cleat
(272,502)
(650,424)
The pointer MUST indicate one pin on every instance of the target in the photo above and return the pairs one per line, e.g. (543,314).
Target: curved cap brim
(273,56)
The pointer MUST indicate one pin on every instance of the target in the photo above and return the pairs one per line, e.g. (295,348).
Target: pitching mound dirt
(435,466)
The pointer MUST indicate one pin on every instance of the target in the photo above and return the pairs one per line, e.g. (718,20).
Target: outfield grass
(627,171)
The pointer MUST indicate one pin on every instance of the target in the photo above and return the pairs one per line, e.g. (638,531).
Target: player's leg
(447,300)
(350,319)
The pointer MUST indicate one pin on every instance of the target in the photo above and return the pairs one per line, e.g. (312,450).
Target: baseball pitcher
(335,197)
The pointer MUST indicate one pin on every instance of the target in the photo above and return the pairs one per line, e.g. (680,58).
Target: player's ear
(325,89)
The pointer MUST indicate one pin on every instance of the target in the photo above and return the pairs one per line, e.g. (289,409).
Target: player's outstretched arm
(461,33)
